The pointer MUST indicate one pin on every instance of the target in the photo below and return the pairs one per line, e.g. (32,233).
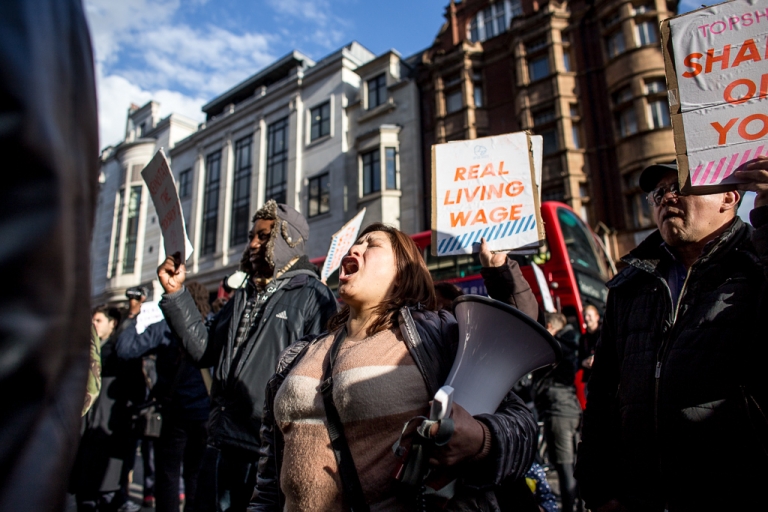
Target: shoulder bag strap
(350,482)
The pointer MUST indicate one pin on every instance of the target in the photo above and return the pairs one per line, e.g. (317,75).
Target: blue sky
(183,53)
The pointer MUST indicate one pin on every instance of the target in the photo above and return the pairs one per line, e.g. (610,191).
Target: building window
(536,44)
(321,121)
(658,113)
(640,211)
(576,134)
(477,88)
(567,60)
(493,20)
(211,203)
(538,68)
(623,95)
(658,105)
(550,141)
(543,116)
(453,101)
(645,33)
(132,230)
(185,183)
(118,228)
(615,44)
(627,121)
(277,161)
(377,91)
(371,171)
(390,156)
(241,192)
(319,195)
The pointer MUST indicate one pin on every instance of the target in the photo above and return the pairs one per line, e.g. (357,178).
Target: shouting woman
(387,353)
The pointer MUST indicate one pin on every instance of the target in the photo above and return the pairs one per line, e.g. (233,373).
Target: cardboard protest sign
(150,314)
(487,188)
(341,241)
(716,61)
(159,179)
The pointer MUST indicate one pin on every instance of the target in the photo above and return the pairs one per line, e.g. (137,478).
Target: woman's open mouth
(349,266)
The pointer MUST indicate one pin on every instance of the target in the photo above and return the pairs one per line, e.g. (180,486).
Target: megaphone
(498,345)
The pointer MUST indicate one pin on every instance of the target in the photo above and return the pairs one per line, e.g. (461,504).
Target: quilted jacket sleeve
(187,323)
(507,284)
(514,435)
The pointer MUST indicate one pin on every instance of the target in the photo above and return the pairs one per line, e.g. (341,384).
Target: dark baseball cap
(653,173)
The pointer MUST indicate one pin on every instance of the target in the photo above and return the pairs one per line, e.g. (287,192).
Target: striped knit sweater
(377,388)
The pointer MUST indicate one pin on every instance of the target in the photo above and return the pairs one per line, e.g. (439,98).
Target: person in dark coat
(49,137)
(108,443)
(395,354)
(183,399)
(281,301)
(588,341)
(678,389)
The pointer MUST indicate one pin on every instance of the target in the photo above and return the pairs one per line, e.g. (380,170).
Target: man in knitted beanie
(281,301)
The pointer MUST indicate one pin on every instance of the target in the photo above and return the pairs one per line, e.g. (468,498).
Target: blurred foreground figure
(678,391)
(48,135)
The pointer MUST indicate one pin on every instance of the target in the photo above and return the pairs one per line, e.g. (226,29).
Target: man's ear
(730,200)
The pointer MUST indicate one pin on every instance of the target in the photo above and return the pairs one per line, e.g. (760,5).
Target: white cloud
(144,53)
(116,94)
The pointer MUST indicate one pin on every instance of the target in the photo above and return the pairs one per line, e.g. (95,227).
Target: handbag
(148,419)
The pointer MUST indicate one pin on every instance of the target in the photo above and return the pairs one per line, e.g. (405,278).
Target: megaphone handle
(441,404)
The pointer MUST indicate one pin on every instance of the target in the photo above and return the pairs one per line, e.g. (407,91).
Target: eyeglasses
(656,196)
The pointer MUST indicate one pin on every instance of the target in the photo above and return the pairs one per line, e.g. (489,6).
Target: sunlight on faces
(690,219)
(103,325)
(368,272)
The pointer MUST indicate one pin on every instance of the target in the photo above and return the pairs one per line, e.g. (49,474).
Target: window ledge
(377,111)
(318,141)
(320,216)
(378,195)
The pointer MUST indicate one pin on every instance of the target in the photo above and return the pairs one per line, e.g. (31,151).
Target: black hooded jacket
(301,306)
(673,418)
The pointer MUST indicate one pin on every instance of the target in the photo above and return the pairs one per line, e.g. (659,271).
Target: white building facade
(127,246)
(309,135)
(327,138)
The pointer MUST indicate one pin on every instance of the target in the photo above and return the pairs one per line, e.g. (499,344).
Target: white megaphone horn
(498,345)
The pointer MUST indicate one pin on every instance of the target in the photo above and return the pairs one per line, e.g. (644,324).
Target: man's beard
(259,267)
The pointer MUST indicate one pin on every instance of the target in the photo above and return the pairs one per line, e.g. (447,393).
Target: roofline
(293,55)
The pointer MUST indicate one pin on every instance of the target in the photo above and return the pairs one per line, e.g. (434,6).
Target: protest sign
(159,179)
(341,241)
(150,314)
(485,188)
(716,61)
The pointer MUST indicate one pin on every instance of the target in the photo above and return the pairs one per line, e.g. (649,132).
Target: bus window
(581,249)
(589,272)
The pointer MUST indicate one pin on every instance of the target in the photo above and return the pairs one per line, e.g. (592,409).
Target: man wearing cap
(678,394)
(282,301)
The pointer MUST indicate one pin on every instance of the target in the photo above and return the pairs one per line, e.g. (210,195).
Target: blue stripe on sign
(532,222)
(451,244)
(512,228)
(467,240)
(506,228)
(456,243)
(441,244)
(490,235)
(520,225)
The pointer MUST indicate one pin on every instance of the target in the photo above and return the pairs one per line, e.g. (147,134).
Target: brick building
(586,75)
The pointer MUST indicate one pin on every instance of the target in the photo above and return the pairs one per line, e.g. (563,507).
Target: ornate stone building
(586,75)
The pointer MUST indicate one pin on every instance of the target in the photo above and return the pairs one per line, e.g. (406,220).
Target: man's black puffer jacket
(432,340)
(300,307)
(666,424)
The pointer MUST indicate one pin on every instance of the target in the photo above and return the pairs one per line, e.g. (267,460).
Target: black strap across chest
(350,482)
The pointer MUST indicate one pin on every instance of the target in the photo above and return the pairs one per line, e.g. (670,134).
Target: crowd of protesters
(284,401)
